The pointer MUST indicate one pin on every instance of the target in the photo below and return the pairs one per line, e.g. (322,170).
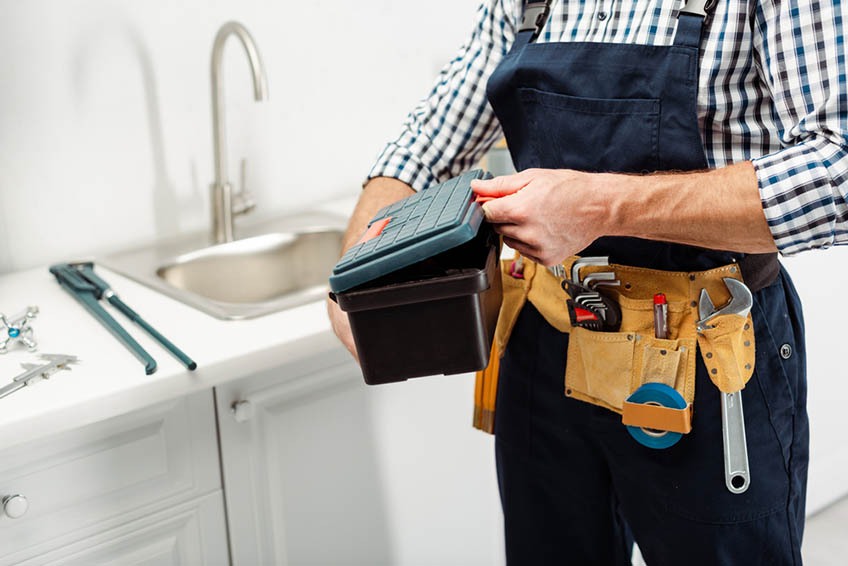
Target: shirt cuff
(800,197)
(404,164)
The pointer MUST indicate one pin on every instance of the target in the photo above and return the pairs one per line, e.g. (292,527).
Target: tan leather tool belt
(605,368)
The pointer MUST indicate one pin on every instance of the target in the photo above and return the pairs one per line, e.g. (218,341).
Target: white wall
(105,118)
(821,278)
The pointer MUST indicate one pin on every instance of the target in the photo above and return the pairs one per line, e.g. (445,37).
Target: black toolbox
(426,302)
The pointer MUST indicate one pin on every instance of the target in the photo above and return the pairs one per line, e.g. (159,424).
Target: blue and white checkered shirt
(773,90)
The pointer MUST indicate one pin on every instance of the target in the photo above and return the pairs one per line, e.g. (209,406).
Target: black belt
(759,270)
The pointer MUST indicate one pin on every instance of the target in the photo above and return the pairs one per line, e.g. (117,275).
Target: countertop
(109,380)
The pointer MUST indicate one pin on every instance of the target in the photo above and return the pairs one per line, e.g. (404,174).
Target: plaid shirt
(773,90)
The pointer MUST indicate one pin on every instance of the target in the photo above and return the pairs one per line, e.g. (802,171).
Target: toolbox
(422,287)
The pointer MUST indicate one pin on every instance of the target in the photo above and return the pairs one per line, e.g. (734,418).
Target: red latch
(374,230)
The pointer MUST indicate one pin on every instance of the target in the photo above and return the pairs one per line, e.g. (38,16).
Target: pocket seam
(559,101)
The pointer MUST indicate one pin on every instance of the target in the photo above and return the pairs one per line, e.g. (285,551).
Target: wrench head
(741,301)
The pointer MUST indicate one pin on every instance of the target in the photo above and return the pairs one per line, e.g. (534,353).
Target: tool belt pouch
(728,350)
(605,368)
(516,286)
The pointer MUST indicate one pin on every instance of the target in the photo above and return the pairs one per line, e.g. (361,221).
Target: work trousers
(576,488)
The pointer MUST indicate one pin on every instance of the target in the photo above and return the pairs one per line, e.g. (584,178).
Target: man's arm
(719,209)
(379,192)
(548,215)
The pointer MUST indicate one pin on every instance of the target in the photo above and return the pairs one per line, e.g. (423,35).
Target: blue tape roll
(656,394)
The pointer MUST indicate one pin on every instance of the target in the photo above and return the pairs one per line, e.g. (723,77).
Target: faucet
(225,203)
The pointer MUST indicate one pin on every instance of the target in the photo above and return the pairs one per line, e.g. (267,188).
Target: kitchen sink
(276,265)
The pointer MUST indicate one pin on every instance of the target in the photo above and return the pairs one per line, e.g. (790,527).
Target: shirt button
(602,16)
(786,351)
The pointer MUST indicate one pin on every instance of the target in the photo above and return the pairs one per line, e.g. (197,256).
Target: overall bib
(575,487)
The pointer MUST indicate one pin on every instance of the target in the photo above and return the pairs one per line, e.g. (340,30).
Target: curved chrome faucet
(225,203)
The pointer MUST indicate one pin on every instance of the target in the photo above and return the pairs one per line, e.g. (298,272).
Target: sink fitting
(225,203)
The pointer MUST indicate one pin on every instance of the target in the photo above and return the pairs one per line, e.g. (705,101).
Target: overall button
(786,351)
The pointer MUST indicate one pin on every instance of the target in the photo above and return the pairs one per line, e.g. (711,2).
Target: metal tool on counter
(737,475)
(18,329)
(36,372)
(87,288)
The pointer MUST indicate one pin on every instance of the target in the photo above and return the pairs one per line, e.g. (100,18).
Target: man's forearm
(379,192)
(717,209)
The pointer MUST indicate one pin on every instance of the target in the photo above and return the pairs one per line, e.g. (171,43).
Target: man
(680,140)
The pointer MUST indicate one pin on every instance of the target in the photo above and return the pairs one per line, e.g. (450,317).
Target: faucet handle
(243,200)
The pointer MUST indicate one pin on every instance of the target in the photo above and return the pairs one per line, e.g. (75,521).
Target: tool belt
(606,368)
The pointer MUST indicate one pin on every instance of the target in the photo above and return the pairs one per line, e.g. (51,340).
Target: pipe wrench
(737,475)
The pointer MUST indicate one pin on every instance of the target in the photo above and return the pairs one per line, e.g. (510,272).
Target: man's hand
(545,214)
(341,326)
(550,214)
(379,192)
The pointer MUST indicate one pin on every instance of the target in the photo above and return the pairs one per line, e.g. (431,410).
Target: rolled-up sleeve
(804,186)
(453,126)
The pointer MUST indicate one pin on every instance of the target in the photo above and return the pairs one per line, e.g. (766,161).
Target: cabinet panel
(86,480)
(301,468)
(188,534)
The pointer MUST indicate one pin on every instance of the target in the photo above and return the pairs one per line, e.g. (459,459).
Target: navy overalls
(575,486)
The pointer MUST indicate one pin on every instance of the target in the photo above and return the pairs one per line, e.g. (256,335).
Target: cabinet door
(188,534)
(300,467)
(89,480)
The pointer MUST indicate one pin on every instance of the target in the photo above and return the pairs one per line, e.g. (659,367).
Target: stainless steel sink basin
(276,265)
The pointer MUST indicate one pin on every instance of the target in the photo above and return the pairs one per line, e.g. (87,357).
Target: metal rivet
(627,285)
(663,352)
(691,277)
(747,326)
(568,392)
(693,304)
(630,337)
(709,355)
(732,270)
(786,351)
(747,343)
(714,371)
(747,366)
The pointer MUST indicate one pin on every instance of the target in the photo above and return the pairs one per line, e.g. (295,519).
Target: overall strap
(690,22)
(535,15)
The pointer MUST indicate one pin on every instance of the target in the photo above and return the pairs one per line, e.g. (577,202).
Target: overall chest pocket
(592,134)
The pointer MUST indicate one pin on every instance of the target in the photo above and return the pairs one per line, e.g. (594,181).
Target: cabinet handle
(15,506)
(242,411)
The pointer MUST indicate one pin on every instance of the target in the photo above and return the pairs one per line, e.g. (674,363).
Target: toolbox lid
(420,226)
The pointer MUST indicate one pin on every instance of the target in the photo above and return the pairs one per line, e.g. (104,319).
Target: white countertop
(109,380)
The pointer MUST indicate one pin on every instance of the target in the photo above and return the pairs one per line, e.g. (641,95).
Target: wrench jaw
(741,301)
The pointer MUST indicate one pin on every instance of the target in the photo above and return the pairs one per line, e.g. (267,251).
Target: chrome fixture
(225,203)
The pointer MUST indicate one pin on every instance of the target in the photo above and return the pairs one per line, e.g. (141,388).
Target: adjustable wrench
(737,475)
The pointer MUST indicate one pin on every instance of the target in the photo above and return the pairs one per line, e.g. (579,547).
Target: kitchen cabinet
(321,469)
(132,489)
(318,468)
(300,466)
(187,534)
